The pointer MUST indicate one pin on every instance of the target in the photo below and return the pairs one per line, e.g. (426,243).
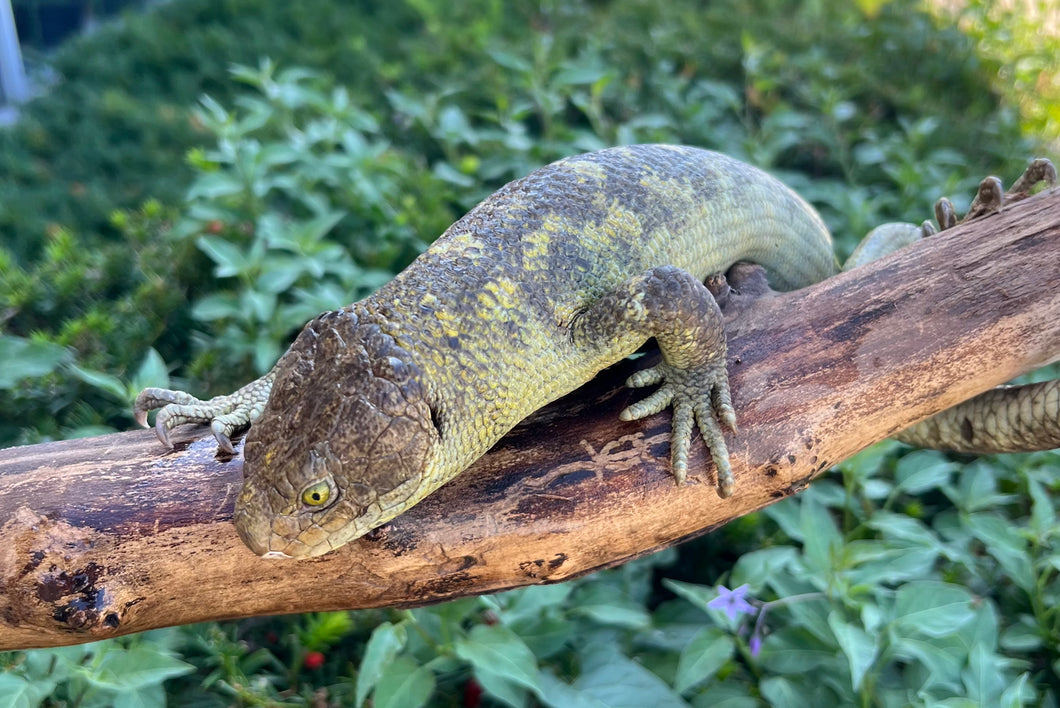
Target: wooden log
(111,535)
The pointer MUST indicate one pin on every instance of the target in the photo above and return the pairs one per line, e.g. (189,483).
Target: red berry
(215,226)
(472,694)
(313,660)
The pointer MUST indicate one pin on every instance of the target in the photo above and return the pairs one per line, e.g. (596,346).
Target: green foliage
(301,206)
(115,128)
(75,338)
(1024,39)
(304,188)
(304,183)
(123,673)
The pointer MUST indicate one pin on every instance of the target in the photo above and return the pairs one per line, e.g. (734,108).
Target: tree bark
(111,535)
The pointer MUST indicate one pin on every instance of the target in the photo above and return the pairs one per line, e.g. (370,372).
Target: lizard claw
(1040,170)
(991,196)
(162,431)
(684,389)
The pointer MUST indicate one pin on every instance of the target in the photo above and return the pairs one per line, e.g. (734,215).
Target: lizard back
(486,310)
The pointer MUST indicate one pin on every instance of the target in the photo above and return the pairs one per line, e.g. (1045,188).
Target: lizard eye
(316,494)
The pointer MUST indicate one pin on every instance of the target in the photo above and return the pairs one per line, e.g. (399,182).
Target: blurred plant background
(205,175)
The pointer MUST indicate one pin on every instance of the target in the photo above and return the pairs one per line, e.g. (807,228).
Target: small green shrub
(405,117)
(80,312)
(121,673)
(302,206)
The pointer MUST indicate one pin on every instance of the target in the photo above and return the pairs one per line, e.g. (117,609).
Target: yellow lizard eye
(316,494)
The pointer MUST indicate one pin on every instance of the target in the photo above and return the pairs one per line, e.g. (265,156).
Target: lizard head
(342,445)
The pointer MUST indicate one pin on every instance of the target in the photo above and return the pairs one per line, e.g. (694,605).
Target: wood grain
(111,535)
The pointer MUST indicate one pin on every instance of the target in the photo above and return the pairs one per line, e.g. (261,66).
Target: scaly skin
(551,279)
(1003,419)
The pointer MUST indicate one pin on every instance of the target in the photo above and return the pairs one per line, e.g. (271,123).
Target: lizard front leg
(675,308)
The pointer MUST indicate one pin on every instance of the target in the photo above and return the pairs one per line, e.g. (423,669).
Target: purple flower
(732,602)
(756,645)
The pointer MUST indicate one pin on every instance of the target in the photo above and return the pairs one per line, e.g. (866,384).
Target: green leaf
(19,692)
(217,306)
(1005,544)
(28,359)
(111,385)
(1043,513)
(751,567)
(129,669)
(729,694)
(858,646)
(976,488)
(984,677)
(782,693)
(1023,636)
(580,75)
(699,596)
(821,539)
(214,185)
(904,528)
(266,353)
(787,517)
(615,614)
(501,689)
(609,605)
(498,656)
(558,694)
(532,600)
(617,681)
(279,274)
(511,61)
(943,667)
(876,562)
(386,642)
(259,304)
(923,470)
(447,173)
(1018,693)
(322,630)
(871,8)
(705,654)
(141,697)
(278,154)
(794,651)
(228,257)
(151,372)
(932,608)
(454,612)
(317,228)
(403,684)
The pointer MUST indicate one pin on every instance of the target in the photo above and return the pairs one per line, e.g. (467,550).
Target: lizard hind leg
(675,308)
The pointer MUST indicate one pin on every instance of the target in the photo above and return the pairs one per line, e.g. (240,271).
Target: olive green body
(486,312)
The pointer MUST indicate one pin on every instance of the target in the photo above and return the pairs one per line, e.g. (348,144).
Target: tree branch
(115,534)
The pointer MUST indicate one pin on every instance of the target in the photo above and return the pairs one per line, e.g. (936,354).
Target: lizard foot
(991,195)
(674,307)
(224,414)
(699,397)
